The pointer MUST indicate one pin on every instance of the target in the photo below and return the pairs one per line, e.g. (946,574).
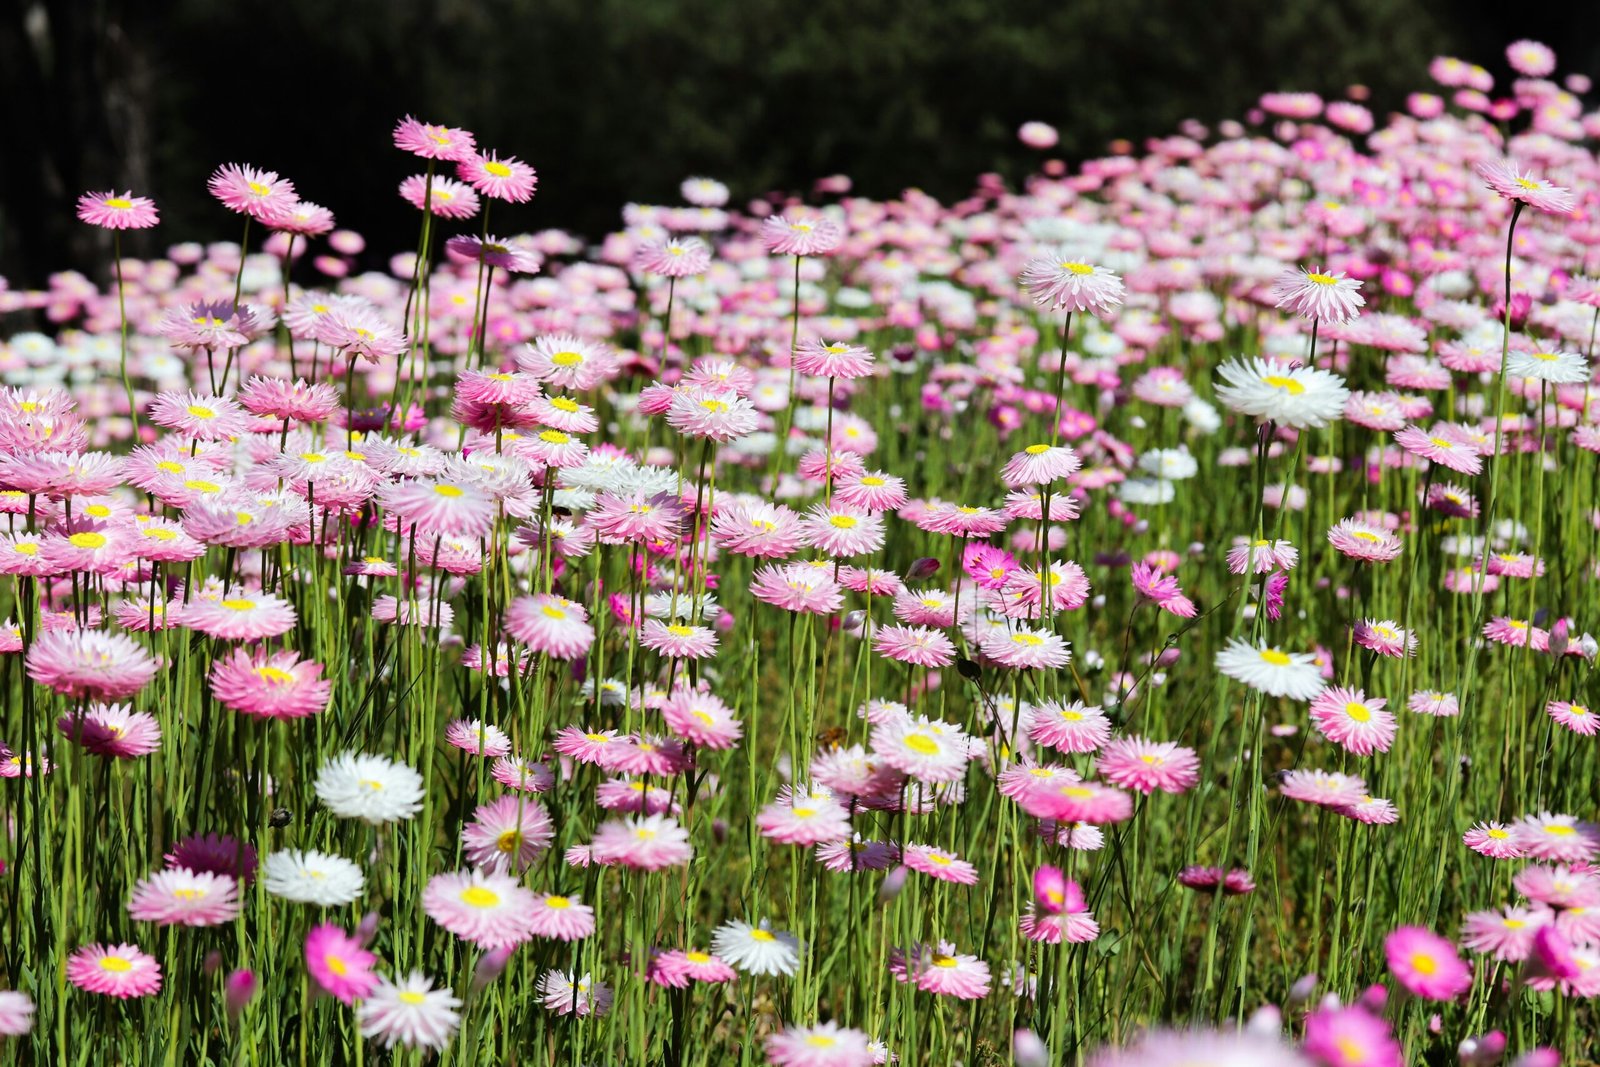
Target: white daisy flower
(374,789)
(409,1013)
(312,878)
(1278,673)
(757,949)
(1301,397)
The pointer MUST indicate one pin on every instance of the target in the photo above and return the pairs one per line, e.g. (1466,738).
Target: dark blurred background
(618,100)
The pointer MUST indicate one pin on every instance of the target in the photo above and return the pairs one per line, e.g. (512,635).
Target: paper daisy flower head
(484,907)
(1065,283)
(1504,177)
(1557,368)
(16,1013)
(1385,637)
(1271,670)
(117,211)
(646,843)
(260,194)
(757,949)
(507,834)
(312,878)
(801,235)
(1319,295)
(940,969)
(562,918)
(410,1012)
(114,970)
(273,685)
(339,964)
(1301,397)
(675,257)
(835,359)
(1233,1046)
(90,663)
(822,1045)
(114,730)
(185,898)
(566,993)
(374,789)
(502,178)
(430,141)
(1426,964)
(1562,838)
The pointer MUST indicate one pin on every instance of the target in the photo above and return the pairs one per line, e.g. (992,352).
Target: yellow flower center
(1288,385)
(843,522)
(557,902)
(554,437)
(1076,268)
(479,897)
(239,605)
(1037,450)
(201,412)
(566,359)
(118,202)
(335,964)
(1031,640)
(1322,279)
(1422,963)
(199,486)
(1274,657)
(1357,711)
(115,964)
(411,998)
(762,935)
(274,676)
(88,540)
(450,491)
(944,961)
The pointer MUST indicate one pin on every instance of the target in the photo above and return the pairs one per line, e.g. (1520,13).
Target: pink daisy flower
(261,194)
(1508,934)
(1578,718)
(214,853)
(504,179)
(673,257)
(940,864)
(339,964)
(837,359)
(1491,839)
(841,531)
(1504,177)
(1350,1037)
(433,142)
(1074,727)
(1328,789)
(507,834)
(1023,648)
(197,417)
(1072,927)
(185,898)
(675,641)
(1563,838)
(273,685)
(647,843)
(1039,465)
(1364,541)
(516,773)
(1234,882)
(114,970)
(1385,637)
(801,235)
(701,718)
(676,968)
(802,816)
(241,617)
(1145,766)
(1064,283)
(822,1045)
(1431,702)
(1078,802)
(1261,557)
(117,211)
(918,645)
(1351,719)
(798,587)
(113,730)
(485,907)
(477,737)
(561,918)
(1559,886)
(940,969)
(450,508)
(1319,295)
(90,663)
(1437,447)
(858,855)
(550,624)
(1426,964)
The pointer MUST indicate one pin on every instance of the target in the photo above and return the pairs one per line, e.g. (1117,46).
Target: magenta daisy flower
(261,194)
(804,816)
(339,964)
(1364,541)
(550,624)
(450,508)
(493,252)
(701,718)
(1145,766)
(1325,296)
(1350,1037)
(114,970)
(197,417)
(185,898)
(676,641)
(676,968)
(1039,465)
(1507,933)
(798,587)
(477,737)
(1563,838)
(1426,964)
(1491,839)
(485,907)
(117,211)
(444,197)
(1073,727)
(243,617)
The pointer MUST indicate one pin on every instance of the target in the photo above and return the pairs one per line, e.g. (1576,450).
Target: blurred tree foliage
(617,100)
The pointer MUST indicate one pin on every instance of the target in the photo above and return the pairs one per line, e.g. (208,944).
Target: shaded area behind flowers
(621,99)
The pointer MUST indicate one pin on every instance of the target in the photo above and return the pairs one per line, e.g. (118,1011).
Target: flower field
(1139,619)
